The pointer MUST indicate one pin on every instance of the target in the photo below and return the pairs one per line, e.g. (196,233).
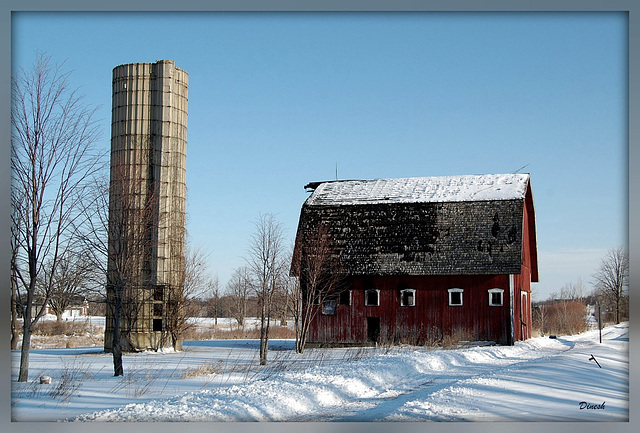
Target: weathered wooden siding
(431,317)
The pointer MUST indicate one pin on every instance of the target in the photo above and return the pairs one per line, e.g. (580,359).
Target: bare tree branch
(53,156)
(612,279)
(266,264)
(238,289)
(317,267)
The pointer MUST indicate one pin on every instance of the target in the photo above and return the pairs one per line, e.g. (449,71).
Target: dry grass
(62,387)
(139,380)
(209,367)
(70,334)
(431,337)
(71,378)
(219,333)
(67,334)
(68,328)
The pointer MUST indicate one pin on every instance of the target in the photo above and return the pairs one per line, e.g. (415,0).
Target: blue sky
(280,99)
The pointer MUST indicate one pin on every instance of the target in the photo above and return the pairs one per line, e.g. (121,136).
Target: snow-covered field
(541,379)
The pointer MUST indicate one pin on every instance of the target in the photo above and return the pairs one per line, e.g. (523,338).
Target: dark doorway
(373,329)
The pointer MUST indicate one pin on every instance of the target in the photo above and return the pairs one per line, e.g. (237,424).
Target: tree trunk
(263,338)
(299,346)
(300,337)
(117,339)
(24,354)
(117,359)
(23,376)
(14,335)
(303,336)
(296,330)
(174,341)
(305,321)
(14,316)
(263,348)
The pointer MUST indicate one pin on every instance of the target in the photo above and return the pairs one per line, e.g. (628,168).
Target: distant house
(77,310)
(423,258)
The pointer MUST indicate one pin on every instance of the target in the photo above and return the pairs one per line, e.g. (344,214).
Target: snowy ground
(538,380)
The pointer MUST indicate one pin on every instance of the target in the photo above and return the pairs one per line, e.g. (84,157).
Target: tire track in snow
(390,402)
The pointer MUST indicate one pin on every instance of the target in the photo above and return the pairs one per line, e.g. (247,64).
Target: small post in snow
(600,322)
(593,358)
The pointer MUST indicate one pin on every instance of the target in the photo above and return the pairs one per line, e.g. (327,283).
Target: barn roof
(420,189)
(451,225)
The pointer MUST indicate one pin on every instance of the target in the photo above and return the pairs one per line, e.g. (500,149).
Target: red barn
(423,258)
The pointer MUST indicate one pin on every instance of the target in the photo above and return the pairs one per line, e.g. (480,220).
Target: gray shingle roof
(455,225)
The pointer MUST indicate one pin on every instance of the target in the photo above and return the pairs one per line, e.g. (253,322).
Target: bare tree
(238,289)
(16,304)
(297,305)
(265,261)
(573,291)
(214,297)
(317,267)
(68,282)
(294,305)
(129,253)
(611,279)
(540,316)
(118,247)
(282,298)
(53,135)
(93,229)
(197,283)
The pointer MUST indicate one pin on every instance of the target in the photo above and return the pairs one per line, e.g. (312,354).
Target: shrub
(560,317)
(69,328)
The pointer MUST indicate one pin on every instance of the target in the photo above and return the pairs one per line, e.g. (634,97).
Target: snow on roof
(487,187)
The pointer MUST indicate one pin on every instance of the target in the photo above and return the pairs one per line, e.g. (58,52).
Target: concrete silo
(146,202)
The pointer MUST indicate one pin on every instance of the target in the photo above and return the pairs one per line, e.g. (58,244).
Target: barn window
(158,293)
(329,308)
(157,325)
(455,297)
(407,298)
(345,298)
(496,297)
(372,297)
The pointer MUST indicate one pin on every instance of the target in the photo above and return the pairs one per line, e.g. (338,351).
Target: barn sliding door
(525,316)
(373,329)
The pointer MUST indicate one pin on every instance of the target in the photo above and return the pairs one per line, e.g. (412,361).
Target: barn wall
(430,318)
(522,282)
